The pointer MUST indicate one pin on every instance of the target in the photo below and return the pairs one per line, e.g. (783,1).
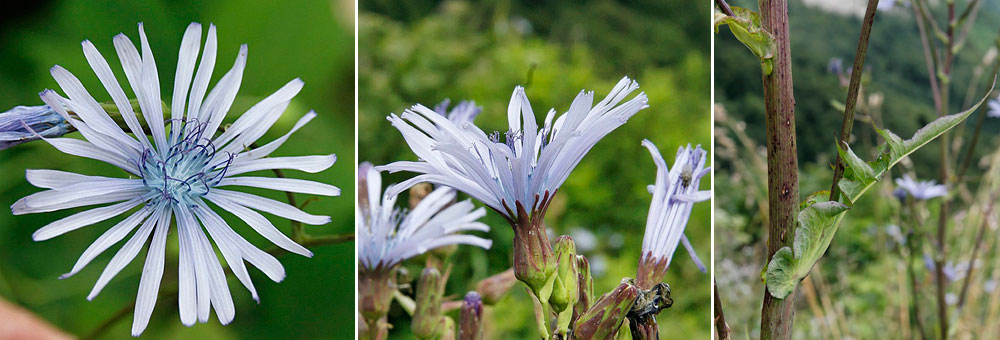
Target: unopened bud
(427,315)
(448,327)
(495,287)
(603,320)
(586,284)
(565,291)
(471,326)
(418,192)
(23,124)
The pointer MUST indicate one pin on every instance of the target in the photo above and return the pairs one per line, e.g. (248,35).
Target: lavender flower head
(388,235)
(465,111)
(922,190)
(674,194)
(951,271)
(528,166)
(519,175)
(994,108)
(174,176)
(835,66)
(23,124)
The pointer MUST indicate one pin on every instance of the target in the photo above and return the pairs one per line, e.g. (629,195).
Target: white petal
(186,59)
(232,253)
(85,149)
(220,99)
(270,206)
(204,74)
(109,238)
(187,294)
(268,148)
(260,224)
(21,208)
(152,272)
(55,197)
(54,179)
(259,118)
(152,109)
(310,164)
(82,219)
(283,184)
(90,111)
(126,253)
(107,77)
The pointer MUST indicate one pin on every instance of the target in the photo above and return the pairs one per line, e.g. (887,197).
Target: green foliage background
(426,51)
(858,271)
(308,39)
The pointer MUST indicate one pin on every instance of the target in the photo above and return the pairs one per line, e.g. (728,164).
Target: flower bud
(534,261)
(603,320)
(645,329)
(418,192)
(23,124)
(375,290)
(566,291)
(426,317)
(448,328)
(495,287)
(586,284)
(471,323)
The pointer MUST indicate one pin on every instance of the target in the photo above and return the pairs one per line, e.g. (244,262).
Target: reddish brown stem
(852,93)
(782,163)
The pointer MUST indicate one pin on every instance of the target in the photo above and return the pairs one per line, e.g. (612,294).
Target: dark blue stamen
(184,172)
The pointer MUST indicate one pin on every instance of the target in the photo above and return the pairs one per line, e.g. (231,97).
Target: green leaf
(746,27)
(819,219)
(861,176)
(817,225)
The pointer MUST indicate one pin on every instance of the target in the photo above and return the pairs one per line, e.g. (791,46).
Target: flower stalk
(777,315)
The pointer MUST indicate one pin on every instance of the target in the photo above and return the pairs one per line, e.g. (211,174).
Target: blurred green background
(855,292)
(426,51)
(308,39)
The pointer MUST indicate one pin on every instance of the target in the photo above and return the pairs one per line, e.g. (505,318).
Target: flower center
(187,170)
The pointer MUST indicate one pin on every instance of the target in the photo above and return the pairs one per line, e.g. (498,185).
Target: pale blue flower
(922,190)
(951,271)
(23,124)
(528,166)
(674,194)
(835,66)
(388,235)
(174,176)
(465,111)
(994,108)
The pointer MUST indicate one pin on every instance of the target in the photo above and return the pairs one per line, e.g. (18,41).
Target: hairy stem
(782,163)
